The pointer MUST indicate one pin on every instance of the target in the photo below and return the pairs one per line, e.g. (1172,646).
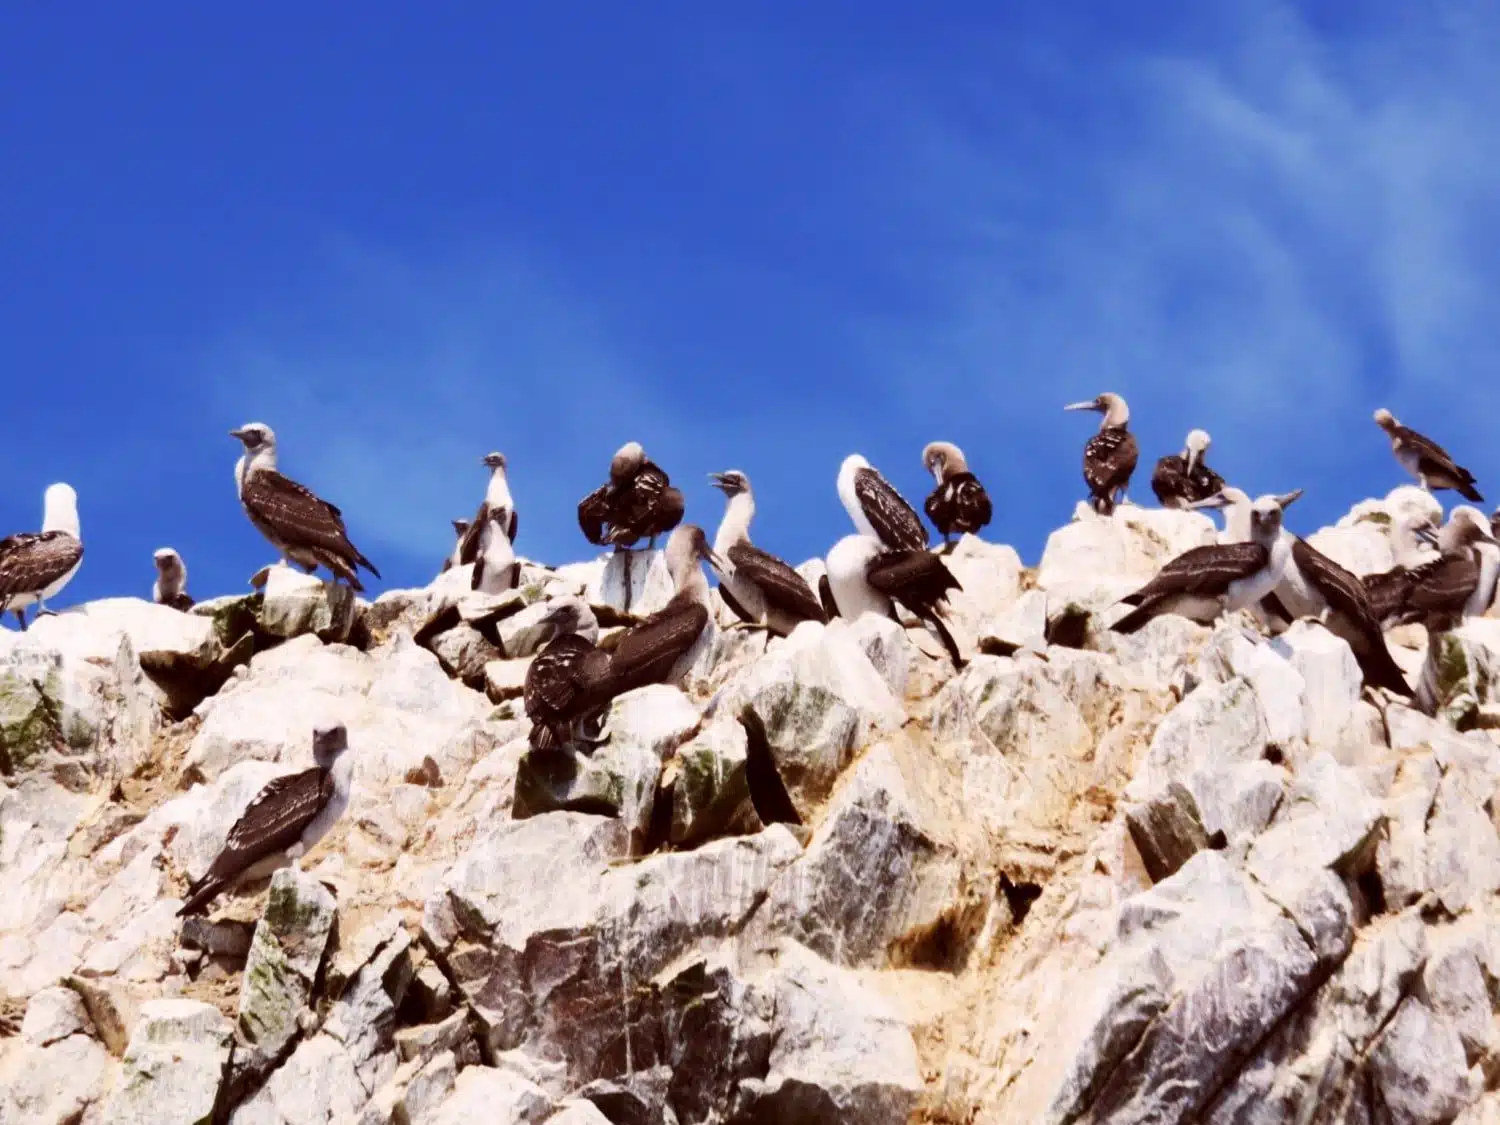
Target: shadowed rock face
(1193,874)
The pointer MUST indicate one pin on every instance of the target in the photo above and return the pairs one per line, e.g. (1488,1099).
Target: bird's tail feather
(200,894)
(1470,493)
(1134,620)
(947,638)
(1381,670)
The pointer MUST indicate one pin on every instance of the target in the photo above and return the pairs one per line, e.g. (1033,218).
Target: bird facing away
(567,684)
(1204,582)
(959,504)
(1413,543)
(877,509)
(1426,460)
(36,565)
(283,822)
(170,587)
(639,502)
(653,651)
(865,577)
(1109,456)
(495,567)
(1182,478)
(497,498)
(762,590)
(459,528)
(305,529)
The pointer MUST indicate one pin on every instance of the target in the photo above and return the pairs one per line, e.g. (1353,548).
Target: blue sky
(750,236)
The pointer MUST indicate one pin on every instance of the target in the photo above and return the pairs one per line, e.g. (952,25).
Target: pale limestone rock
(318,1085)
(886,645)
(463,651)
(1419,1067)
(523,633)
(296,604)
(578,1113)
(283,964)
(989,577)
(487,1094)
(1462,672)
(634,581)
(1216,725)
(1021,625)
(1128,547)
(174,1066)
(506,679)
(363,1017)
(54,1014)
(1237,800)
(1156,657)
(711,792)
(396,610)
(62,1083)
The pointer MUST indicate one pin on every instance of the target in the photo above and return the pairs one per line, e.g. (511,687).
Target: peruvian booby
(877,509)
(1204,582)
(36,565)
(568,682)
(283,822)
(959,504)
(759,588)
(306,529)
(1426,460)
(1460,582)
(1313,585)
(1413,543)
(1182,478)
(170,587)
(497,498)
(1495,523)
(864,576)
(495,565)
(652,652)
(459,528)
(639,502)
(1109,456)
(1235,505)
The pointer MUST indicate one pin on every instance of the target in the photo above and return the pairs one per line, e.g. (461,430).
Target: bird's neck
(341,770)
(261,459)
(497,494)
(1115,417)
(1237,523)
(61,516)
(692,585)
(734,528)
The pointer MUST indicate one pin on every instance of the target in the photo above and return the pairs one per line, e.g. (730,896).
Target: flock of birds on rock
(1257,566)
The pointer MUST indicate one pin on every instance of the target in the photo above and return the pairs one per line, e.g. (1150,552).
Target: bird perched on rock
(306,529)
(1426,460)
(495,566)
(170,587)
(655,650)
(283,821)
(1109,457)
(959,504)
(864,576)
(497,503)
(459,528)
(1459,582)
(876,509)
(1181,479)
(759,588)
(1414,544)
(36,565)
(1204,582)
(568,682)
(638,502)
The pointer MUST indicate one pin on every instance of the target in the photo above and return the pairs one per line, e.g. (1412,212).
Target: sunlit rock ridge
(1186,875)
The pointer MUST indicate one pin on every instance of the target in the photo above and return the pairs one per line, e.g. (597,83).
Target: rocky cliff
(1188,875)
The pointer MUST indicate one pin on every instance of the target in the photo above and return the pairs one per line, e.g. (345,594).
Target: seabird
(761,589)
(1109,456)
(1495,523)
(170,587)
(459,527)
(1180,479)
(36,565)
(567,684)
(639,502)
(1460,582)
(1426,460)
(495,566)
(1235,505)
(877,509)
(497,498)
(1204,582)
(866,577)
(959,503)
(652,652)
(307,530)
(1412,540)
(283,822)
(1313,585)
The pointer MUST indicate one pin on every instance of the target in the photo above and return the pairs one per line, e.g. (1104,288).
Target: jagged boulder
(175,1066)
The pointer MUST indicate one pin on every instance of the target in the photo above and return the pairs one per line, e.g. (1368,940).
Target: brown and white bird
(654,651)
(36,565)
(1204,582)
(877,509)
(1426,460)
(959,504)
(460,527)
(304,528)
(1181,479)
(1459,582)
(170,587)
(864,576)
(568,682)
(283,821)
(1110,456)
(495,567)
(497,499)
(638,502)
(1413,544)
(762,590)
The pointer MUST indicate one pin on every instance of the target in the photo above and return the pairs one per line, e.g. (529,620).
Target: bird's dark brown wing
(30,562)
(593,515)
(1202,572)
(1387,591)
(968,502)
(274,820)
(1432,457)
(468,542)
(1495,524)
(915,578)
(300,517)
(1169,479)
(554,679)
(826,598)
(1444,584)
(895,521)
(647,651)
(1109,458)
(1344,592)
(782,586)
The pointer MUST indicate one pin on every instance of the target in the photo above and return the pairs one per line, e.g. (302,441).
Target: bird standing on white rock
(170,587)
(36,565)
(959,505)
(1180,479)
(1426,460)
(497,503)
(1110,456)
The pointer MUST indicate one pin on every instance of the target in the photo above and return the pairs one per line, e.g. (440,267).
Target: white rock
(1331,681)
(296,604)
(53,1014)
(1129,547)
(486,1094)
(317,1085)
(174,1066)
(634,581)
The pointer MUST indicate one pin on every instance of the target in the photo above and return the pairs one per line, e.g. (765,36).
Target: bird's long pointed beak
(1192,460)
(716,560)
(1082,406)
(1288,498)
(720,479)
(240,434)
(1427,534)
(1217,500)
